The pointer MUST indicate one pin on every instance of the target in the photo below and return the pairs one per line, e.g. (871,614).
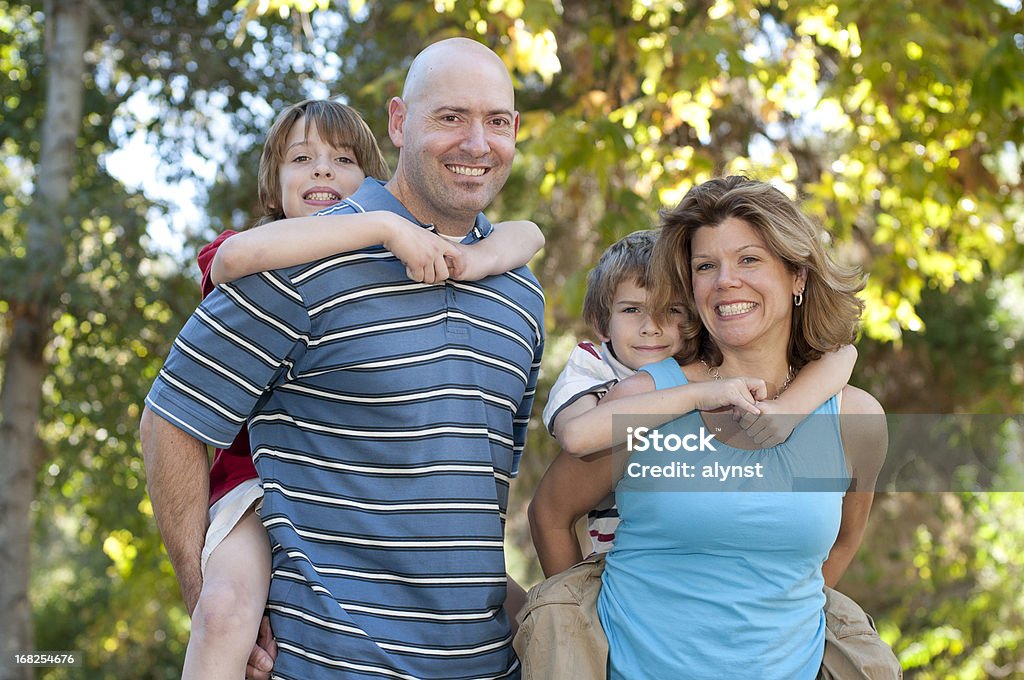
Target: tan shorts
(560,635)
(227,512)
(852,646)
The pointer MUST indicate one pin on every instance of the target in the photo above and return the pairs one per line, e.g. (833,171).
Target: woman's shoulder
(657,376)
(665,373)
(859,402)
(865,436)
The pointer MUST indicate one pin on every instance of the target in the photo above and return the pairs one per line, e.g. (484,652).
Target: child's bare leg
(227,617)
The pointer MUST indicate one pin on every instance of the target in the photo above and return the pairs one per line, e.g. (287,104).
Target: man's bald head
(455,128)
(451,58)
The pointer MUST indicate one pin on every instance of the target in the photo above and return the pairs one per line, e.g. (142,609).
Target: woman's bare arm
(865,441)
(569,490)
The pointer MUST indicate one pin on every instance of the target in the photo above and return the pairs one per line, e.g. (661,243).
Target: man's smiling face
(456,129)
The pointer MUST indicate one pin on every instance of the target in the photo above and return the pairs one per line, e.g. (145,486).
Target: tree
(25,367)
(90,309)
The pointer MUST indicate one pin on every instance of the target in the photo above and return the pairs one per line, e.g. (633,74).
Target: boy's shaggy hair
(626,259)
(337,124)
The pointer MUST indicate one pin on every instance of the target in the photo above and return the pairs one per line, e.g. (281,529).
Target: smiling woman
(765,300)
(741,290)
(730,581)
(754,235)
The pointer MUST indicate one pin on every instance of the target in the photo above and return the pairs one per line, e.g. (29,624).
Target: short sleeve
(244,338)
(205,260)
(584,373)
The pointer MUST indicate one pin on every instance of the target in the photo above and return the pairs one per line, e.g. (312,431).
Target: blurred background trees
(901,124)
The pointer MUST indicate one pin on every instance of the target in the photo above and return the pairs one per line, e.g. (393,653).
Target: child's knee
(227,607)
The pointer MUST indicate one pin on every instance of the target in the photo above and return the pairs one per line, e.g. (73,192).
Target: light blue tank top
(716,579)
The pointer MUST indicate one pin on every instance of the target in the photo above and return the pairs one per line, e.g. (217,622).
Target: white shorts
(227,512)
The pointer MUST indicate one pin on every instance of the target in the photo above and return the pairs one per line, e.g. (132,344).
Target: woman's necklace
(715,375)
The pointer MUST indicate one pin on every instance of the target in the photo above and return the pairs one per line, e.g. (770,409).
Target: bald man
(455,127)
(386,417)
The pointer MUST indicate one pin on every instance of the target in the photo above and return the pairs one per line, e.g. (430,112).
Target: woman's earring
(798,299)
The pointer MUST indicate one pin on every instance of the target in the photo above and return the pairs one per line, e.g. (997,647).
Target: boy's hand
(469,263)
(742,394)
(420,250)
(771,427)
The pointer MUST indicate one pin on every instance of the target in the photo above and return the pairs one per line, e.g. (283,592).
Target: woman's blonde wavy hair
(830,313)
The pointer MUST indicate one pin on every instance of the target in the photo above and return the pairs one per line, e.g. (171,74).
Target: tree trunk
(21,394)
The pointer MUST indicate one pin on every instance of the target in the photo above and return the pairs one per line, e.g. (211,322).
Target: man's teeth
(322,196)
(735,308)
(463,170)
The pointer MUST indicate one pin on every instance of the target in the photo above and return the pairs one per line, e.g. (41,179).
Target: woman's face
(743,291)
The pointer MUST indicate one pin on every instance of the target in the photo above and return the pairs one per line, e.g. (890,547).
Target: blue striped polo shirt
(387,418)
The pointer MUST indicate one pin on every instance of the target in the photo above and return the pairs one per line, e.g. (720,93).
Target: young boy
(316,154)
(632,336)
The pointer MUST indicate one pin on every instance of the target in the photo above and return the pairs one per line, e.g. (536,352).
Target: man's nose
(475,140)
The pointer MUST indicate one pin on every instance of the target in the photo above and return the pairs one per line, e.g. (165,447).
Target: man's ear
(396,121)
(515,123)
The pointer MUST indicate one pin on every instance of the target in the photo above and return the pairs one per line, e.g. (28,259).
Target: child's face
(314,174)
(636,338)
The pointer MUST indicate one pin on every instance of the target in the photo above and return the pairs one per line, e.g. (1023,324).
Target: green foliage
(967,360)
(942,574)
(121,606)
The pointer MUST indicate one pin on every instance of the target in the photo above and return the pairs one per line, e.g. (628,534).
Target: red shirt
(233,465)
